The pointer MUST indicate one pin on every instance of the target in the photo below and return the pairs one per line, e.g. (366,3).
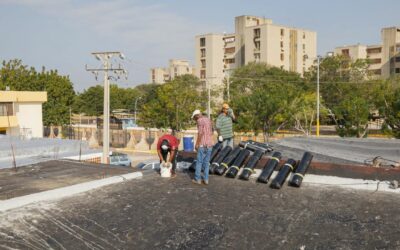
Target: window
(175,69)
(282,57)
(257,45)
(304,35)
(282,32)
(374,50)
(203,63)
(202,42)
(397,70)
(230,50)
(398,48)
(281,44)
(257,33)
(230,60)
(375,61)
(6,108)
(202,74)
(346,52)
(203,52)
(187,69)
(397,59)
(304,46)
(257,56)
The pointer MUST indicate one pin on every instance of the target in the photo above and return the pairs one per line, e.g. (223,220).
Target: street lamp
(209,95)
(137,99)
(228,76)
(318,64)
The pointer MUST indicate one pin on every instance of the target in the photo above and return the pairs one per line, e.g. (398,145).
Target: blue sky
(61,34)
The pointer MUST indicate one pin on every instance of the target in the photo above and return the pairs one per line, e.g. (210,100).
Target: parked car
(120,159)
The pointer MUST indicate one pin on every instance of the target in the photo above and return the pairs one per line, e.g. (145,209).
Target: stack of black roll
(225,160)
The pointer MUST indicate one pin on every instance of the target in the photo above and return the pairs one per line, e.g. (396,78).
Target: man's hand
(230,112)
(220,138)
(196,147)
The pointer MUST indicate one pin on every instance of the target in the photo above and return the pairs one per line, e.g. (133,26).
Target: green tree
(305,112)
(60,92)
(90,101)
(345,88)
(263,97)
(172,103)
(387,101)
(352,115)
(60,96)
(336,74)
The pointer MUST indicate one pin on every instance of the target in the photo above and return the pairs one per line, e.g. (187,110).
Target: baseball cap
(196,112)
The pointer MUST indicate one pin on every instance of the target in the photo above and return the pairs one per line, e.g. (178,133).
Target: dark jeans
(165,158)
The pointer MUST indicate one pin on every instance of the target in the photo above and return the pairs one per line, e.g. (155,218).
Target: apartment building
(210,58)
(384,59)
(175,68)
(21,113)
(256,39)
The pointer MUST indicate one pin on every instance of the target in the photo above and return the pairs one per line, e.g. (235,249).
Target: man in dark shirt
(168,144)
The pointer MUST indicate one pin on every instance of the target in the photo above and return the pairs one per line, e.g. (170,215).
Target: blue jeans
(227,142)
(203,163)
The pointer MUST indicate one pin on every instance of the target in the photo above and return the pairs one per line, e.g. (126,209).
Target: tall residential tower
(256,39)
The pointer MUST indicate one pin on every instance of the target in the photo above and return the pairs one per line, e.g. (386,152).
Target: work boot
(196,181)
(205,182)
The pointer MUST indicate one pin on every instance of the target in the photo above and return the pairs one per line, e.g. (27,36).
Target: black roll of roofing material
(269,167)
(219,158)
(253,147)
(260,145)
(237,164)
(251,164)
(228,161)
(301,170)
(283,173)
(215,150)
(192,166)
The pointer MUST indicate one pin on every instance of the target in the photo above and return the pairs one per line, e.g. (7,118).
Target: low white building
(21,113)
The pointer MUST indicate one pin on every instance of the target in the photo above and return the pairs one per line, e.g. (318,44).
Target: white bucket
(165,171)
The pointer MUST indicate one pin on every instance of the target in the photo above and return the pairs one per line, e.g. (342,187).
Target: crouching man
(167,148)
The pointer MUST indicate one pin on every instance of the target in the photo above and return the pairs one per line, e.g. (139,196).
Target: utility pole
(105,58)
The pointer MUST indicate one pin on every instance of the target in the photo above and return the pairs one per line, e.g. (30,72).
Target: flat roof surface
(52,174)
(156,213)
